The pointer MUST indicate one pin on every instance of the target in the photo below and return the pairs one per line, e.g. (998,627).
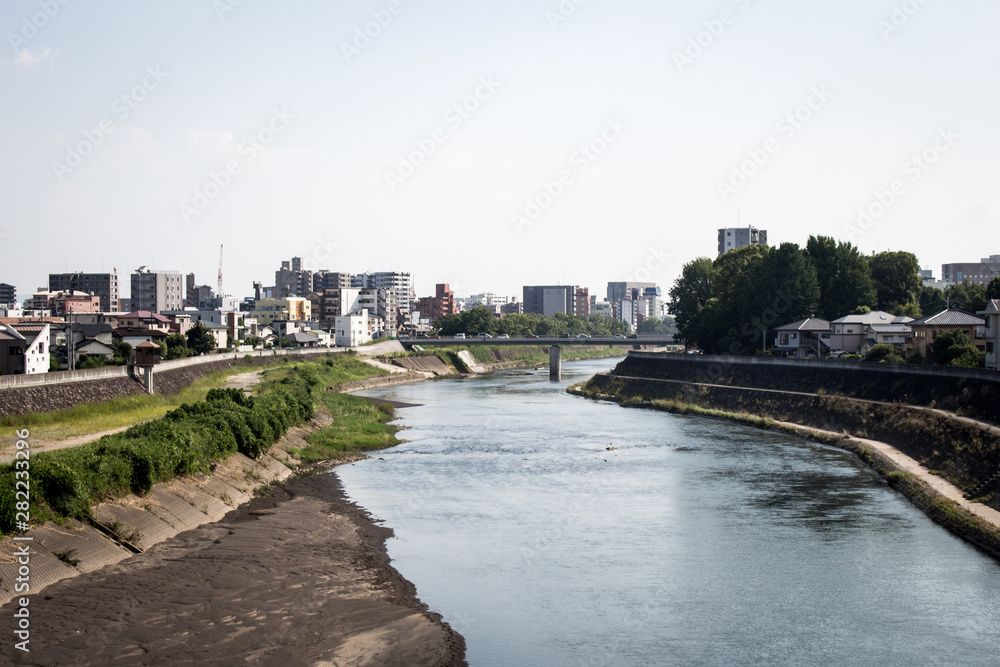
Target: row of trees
(727,305)
(480,320)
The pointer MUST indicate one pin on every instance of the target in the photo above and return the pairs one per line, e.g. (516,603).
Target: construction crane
(218,292)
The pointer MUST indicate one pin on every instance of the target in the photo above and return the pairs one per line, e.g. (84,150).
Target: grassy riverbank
(188,439)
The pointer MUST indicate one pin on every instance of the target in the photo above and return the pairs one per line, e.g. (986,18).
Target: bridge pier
(555,363)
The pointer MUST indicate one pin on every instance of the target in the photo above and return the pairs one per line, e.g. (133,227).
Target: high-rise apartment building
(732,238)
(104,285)
(8,295)
(292,280)
(548,300)
(157,291)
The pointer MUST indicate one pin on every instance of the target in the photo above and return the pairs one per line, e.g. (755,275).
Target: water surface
(554,530)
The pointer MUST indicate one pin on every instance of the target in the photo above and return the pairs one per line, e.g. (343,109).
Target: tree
(993,289)
(689,295)
(953,348)
(844,277)
(966,296)
(176,347)
(931,300)
(884,353)
(897,278)
(200,339)
(123,353)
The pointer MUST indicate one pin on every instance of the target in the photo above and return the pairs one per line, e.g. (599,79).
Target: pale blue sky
(321,181)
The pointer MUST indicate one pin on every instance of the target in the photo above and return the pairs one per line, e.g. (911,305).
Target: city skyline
(577,144)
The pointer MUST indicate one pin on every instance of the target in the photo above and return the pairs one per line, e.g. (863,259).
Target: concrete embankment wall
(962,453)
(971,392)
(134,524)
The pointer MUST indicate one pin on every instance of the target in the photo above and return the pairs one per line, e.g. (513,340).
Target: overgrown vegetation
(188,439)
(358,425)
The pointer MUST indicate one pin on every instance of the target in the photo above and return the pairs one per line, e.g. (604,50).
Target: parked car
(619,335)
(485,335)
(460,335)
(504,336)
(422,335)
(582,336)
(633,335)
(564,335)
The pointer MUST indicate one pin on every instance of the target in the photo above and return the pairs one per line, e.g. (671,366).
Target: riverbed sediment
(298,576)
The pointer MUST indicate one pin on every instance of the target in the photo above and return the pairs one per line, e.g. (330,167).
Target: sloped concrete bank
(136,523)
(201,571)
(932,458)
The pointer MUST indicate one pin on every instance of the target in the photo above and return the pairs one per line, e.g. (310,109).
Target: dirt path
(907,464)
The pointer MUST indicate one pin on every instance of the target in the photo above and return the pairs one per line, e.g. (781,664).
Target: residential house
(303,339)
(991,333)
(803,339)
(266,311)
(849,333)
(24,348)
(145,319)
(353,330)
(926,330)
(896,335)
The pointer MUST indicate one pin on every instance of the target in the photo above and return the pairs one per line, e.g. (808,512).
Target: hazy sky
(636,127)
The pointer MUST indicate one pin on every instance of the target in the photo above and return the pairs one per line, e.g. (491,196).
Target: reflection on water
(553,530)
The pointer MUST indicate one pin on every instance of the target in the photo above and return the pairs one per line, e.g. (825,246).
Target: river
(554,530)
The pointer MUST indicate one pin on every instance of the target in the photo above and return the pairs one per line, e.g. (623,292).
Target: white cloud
(28,60)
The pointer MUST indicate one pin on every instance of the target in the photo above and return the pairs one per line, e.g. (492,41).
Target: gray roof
(874,317)
(950,318)
(992,307)
(890,328)
(808,324)
(300,337)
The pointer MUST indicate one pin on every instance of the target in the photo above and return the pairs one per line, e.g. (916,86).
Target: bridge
(555,344)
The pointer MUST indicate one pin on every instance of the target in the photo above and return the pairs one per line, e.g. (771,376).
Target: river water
(688,542)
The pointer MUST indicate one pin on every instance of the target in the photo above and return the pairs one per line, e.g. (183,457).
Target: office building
(103,285)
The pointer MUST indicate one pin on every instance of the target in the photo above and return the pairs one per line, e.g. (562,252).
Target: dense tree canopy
(993,289)
(200,339)
(727,306)
(953,348)
(844,277)
(965,296)
(480,320)
(897,279)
